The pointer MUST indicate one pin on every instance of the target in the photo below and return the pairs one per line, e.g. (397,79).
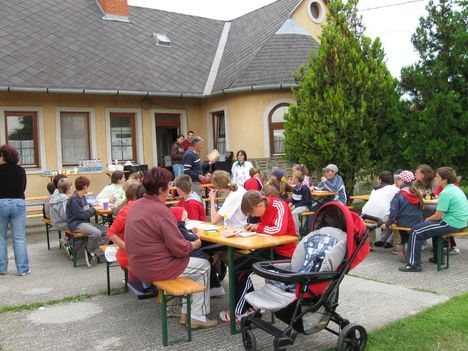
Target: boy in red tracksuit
(275,219)
(191,201)
(255,182)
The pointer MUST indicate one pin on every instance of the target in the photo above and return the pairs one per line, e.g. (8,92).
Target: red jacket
(118,228)
(277,220)
(195,209)
(254,183)
(156,249)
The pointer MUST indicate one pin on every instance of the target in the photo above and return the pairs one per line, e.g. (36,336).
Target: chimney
(114,10)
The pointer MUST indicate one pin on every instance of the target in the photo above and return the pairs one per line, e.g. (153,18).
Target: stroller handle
(267,269)
(372,226)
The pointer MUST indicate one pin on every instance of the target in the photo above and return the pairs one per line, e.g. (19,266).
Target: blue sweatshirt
(301,196)
(78,211)
(192,165)
(335,184)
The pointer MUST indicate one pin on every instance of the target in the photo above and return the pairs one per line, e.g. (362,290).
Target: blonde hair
(222,180)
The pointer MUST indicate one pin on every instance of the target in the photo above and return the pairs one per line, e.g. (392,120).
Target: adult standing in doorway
(188,141)
(193,166)
(240,168)
(12,210)
(177,156)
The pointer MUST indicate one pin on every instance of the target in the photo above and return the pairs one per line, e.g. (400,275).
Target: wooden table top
(254,242)
(364,197)
(101,211)
(321,193)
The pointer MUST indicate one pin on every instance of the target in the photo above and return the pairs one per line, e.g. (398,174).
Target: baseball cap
(278,173)
(331,167)
(406,176)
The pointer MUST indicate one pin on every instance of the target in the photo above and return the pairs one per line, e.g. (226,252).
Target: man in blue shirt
(193,166)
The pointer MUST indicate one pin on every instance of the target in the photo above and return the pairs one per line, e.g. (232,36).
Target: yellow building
(103,80)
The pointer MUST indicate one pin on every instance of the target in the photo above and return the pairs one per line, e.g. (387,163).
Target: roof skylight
(162,40)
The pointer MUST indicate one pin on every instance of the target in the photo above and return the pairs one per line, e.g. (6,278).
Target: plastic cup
(105,206)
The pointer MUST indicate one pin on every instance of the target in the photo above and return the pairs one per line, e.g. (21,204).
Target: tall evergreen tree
(437,127)
(344,96)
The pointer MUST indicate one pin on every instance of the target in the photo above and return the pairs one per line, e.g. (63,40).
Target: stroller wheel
(353,337)
(248,340)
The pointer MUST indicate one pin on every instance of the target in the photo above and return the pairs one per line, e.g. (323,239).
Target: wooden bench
(48,225)
(77,236)
(441,240)
(180,287)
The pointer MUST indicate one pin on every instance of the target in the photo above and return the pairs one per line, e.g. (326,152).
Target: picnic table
(233,243)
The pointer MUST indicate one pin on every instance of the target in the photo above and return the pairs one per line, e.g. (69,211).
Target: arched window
(276,126)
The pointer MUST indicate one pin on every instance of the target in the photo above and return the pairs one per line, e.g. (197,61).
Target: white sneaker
(217,292)
(454,251)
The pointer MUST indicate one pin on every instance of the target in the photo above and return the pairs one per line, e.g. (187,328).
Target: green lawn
(443,327)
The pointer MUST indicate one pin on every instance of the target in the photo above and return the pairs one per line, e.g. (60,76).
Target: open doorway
(167,129)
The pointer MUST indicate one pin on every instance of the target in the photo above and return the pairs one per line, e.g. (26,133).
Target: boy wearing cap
(331,181)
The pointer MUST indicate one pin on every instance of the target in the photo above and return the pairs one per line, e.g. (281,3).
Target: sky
(393,24)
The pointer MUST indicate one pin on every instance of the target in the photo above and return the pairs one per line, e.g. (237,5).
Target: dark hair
(180,136)
(250,200)
(184,183)
(81,182)
(447,173)
(428,173)
(243,153)
(57,178)
(155,179)
(9,153)
(386,177)
(190,131)
(51,187)
(229,156)
(116,176)
(222,180)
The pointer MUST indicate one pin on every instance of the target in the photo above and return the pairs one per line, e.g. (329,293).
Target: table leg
(232,296)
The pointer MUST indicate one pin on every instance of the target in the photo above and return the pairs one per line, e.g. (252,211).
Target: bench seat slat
(179,287)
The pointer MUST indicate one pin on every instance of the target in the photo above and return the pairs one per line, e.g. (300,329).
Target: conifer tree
(345,98)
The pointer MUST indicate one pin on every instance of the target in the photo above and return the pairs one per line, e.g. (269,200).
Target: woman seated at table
(275,219)
(451,216)
(157,251)
(113,192)
(231,208)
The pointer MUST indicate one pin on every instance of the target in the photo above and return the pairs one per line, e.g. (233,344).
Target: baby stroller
(303,293)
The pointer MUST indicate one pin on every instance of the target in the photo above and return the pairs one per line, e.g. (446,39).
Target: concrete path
(374,295)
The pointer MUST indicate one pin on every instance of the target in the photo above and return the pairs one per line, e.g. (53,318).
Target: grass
(36,305)
(443,328)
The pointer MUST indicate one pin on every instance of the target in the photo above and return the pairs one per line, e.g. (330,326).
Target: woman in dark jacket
(12,210)
(177,156)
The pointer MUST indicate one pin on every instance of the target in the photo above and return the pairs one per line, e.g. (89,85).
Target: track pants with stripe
(421,232)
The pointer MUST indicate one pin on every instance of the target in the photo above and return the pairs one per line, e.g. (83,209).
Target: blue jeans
(13,213)
(178,169)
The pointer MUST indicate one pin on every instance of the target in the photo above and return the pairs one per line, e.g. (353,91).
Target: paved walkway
(374,295)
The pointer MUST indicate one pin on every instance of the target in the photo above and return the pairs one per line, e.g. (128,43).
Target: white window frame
(40,133)
(323,9)
(266,124)
(92,131)
(138,131)
(209,127)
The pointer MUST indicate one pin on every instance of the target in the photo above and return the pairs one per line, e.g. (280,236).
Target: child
(379,206)
(255,182)
(79,214)
(405,208)
(190,201)
(113,192)
(278,176)
(301,168)
(51,189)
(58,204)
(275,219)
(300,198)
